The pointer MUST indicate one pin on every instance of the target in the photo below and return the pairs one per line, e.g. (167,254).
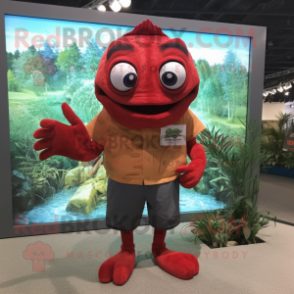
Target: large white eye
(172,75)
(123,76)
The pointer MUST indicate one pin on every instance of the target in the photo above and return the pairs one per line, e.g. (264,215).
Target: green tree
(217,101)
(70,60)
(205,73)
(211,93)
(204,70)
(16,54)
(40,67)
(48,51)
(92,57)
(32,49)
(19,64)
(232,82)
(13,85)
(10,58)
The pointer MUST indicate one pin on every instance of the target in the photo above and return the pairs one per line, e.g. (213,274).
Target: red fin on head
(146,27)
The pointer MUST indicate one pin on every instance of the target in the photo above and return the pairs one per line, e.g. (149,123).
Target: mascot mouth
(149,109)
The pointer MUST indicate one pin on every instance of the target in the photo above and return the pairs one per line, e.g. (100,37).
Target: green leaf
(239,198)
(214,168)
(196,238)
(249,203)
(217,179)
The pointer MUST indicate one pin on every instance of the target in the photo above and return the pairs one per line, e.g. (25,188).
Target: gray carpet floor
(277,196)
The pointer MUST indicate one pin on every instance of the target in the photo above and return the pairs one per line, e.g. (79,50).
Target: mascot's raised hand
(72,141)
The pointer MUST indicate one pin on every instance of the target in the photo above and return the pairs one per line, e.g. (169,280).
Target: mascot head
(146,79)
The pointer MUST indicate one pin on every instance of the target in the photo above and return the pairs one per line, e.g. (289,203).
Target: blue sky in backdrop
(47,27)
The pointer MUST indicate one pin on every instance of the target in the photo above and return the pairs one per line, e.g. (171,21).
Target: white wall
(270,110)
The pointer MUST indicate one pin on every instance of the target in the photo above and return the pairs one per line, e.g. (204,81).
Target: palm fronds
(273,141)
(238,179)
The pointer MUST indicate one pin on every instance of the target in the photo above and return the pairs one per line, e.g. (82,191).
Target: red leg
(119,267)
(180,265)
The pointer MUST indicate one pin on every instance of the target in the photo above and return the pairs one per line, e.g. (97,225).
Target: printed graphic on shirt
(173,135)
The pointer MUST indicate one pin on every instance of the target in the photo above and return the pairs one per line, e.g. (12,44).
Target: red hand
(70,141)
(193,172)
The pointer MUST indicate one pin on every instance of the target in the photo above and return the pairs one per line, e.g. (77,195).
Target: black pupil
(130,80)
(169,78)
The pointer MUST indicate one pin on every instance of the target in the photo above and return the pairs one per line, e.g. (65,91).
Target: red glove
(72,141)
(193,172)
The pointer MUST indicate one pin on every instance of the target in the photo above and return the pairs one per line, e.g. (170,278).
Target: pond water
(190,201)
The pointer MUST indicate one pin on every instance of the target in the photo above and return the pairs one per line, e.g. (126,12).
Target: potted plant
(280,162)
(240,221)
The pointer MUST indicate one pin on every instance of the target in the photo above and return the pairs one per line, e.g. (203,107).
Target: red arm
(193,172)
(72,141)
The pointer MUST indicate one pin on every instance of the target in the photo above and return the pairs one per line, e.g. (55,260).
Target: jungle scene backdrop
(41,77)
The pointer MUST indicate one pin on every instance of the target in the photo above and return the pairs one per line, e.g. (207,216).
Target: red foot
(181,265)
(117,268)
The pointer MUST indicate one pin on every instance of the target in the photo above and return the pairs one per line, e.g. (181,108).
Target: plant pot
(281,171)
(257,240)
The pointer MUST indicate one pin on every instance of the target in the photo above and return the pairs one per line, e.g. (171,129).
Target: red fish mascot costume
(145,82)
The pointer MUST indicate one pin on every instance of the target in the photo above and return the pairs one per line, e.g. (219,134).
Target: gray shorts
(125,205)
